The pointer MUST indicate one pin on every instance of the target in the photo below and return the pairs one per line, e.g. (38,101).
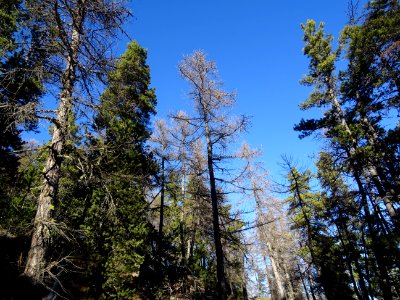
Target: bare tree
(162,148)
(78,36)
(212,106)
(182,134)
(276,243)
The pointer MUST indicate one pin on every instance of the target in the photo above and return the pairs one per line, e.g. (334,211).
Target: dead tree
(78,34)
(218,129)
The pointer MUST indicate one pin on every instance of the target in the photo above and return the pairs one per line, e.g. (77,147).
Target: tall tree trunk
(384,279)
(182,216)
(349,263)
(162,196)
(278,278)
(373,172)
(221,283)
(279,282)
(41,232)
(270,278)
(303,282)
(289,285)
(386,190)
(244,287)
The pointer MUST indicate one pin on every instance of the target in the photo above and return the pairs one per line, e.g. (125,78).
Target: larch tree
(276,246)
(182,135)
(161,139)
(218,129)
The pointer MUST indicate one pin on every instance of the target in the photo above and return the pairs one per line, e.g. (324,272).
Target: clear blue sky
(257,45)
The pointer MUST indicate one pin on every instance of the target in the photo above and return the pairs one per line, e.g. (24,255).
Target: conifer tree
(74,35)
(356,101)
(124,167)
(218,129)
(20,89)
(306,209)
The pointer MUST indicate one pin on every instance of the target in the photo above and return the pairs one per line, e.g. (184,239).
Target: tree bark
(278,279)
(41,232)
(373,171)
(221,283)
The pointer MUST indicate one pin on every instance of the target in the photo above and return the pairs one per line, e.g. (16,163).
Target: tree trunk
(279,283)
(278,279)
(372,170)
(221,284)
(289,285)
(41,232)
(349,262)
(304,284)
(270,278)
(384,279)
(184,255)
(161,223)
(385,189)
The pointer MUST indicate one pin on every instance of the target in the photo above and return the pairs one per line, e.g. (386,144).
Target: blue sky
(257,46)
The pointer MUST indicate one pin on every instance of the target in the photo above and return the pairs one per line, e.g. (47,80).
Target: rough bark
(278,278)
(41,232)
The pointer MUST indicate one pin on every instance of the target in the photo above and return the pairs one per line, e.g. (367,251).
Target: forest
(121,204)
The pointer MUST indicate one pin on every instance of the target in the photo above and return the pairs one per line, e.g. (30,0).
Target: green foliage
(356,218)
(19,204)
(9,11)
(117,225)
(20,88)
(309,213)
(322,64)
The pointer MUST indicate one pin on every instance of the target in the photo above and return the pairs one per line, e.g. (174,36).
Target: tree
(356,101)
(276,246)
(305,210)
(162,140)
(124,168)
(218,130)
(341,212)
(9,12)
(182,135)
(20,88)
(75,36)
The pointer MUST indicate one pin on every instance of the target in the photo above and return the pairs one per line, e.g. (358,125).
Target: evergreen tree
(20,88)
(307,211)
(117,223)
(356,102)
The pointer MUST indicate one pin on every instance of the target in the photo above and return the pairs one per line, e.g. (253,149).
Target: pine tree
(307,212)
(118,225)
(356,101)
(20,88)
